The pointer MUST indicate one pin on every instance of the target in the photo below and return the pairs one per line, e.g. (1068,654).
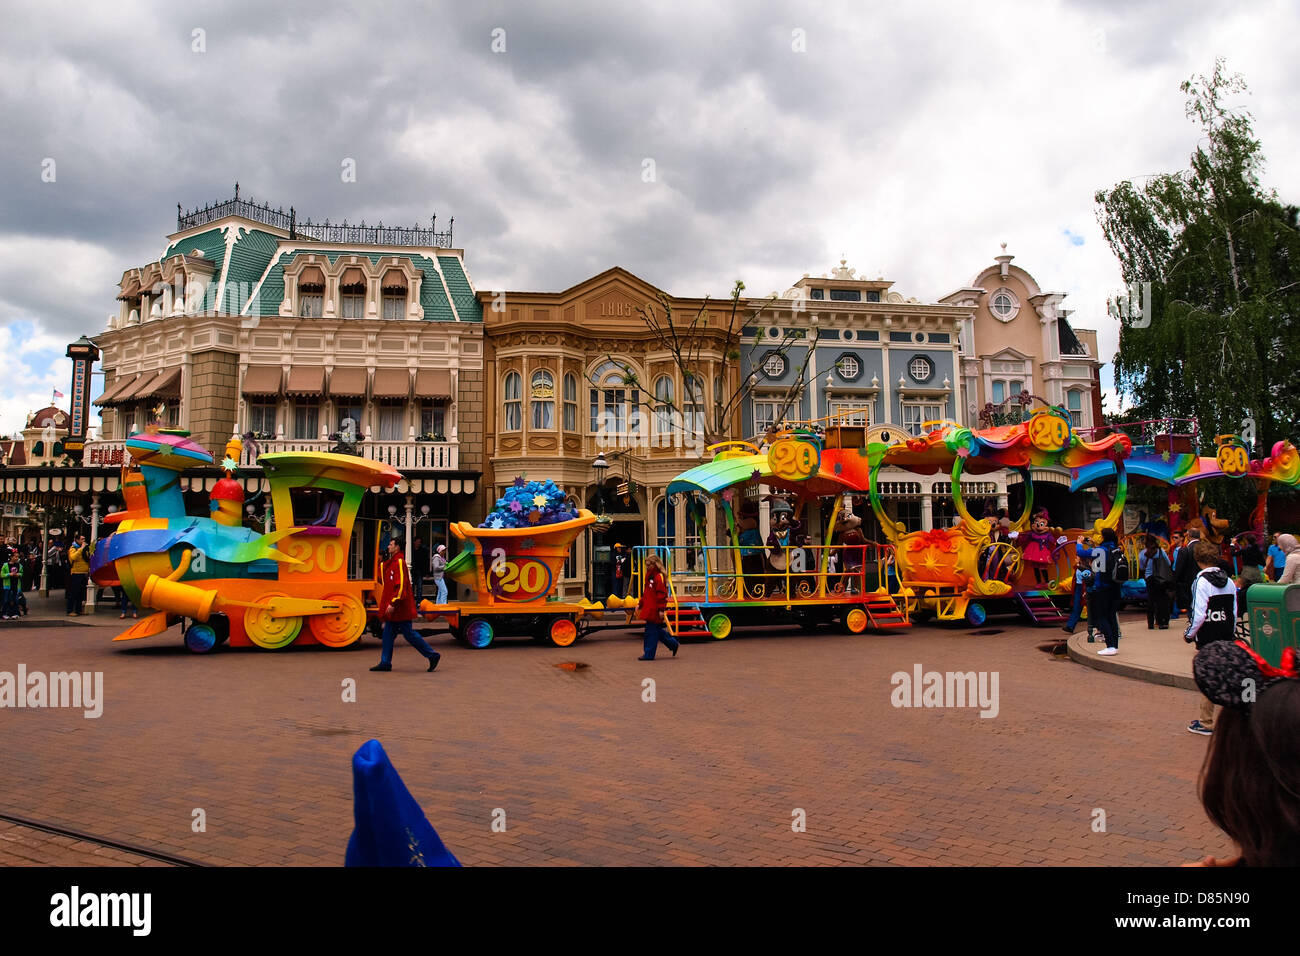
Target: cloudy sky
(692,143)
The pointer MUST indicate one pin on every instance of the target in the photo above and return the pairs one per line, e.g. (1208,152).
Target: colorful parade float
(959,573)
(223,582)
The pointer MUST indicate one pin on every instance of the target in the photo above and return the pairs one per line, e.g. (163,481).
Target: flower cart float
(513,562)
(222,581)
(783,579)
(959,573)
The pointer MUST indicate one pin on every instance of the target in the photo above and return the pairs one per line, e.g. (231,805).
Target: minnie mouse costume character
(1038,547)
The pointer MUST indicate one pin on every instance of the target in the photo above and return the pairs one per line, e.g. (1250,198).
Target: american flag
(58,394)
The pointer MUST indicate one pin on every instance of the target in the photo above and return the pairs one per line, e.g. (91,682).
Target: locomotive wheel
(345,626)
(200,638)
(271,633)
(856,621)
(976,614)
(563,632)
(720,626)
(477,632)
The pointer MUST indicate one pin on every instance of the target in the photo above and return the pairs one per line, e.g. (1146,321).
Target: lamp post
(45,549)
(600,466)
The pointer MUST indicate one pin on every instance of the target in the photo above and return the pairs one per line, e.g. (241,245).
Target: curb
(1082,653)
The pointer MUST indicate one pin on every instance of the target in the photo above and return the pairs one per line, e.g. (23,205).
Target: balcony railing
(343,233)
(402,455)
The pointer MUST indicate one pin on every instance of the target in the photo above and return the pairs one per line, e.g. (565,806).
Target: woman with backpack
(1108,571)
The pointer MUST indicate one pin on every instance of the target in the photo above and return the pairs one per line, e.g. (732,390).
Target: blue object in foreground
(391,829)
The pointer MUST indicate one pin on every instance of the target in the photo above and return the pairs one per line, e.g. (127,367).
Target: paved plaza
(741,735)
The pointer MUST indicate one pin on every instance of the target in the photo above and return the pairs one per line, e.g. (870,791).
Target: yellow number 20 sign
(1049,432)
(793,460)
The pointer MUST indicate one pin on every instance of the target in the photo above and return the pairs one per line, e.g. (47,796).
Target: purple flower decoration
(516,506)
(519,482)
(755,475)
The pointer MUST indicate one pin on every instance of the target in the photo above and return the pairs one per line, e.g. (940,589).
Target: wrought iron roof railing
(342,233)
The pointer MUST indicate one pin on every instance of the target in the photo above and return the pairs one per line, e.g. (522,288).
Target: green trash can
(1274,619)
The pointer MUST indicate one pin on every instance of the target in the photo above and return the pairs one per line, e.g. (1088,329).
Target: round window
(920,369)
(1004,305)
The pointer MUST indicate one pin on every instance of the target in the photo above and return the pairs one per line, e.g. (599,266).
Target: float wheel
(720,626)
(477,632)
(221,624)
(563,632)
(856,621)
(271,633)
(976,614)
(342,627)
(200,638)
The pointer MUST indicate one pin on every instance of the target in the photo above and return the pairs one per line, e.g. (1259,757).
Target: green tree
(1222,256)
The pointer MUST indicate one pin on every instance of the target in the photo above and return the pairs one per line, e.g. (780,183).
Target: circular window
(920,369)
(918,338)
(849,367)
(774,365)
(847,335)
(773,332)
(1004,305)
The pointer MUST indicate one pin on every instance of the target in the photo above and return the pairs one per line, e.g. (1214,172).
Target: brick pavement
(741,734)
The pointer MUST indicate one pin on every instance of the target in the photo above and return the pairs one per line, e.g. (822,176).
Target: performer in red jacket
(654,600)
(397,609)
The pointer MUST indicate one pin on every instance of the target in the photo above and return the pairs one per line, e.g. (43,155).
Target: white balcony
(402,455)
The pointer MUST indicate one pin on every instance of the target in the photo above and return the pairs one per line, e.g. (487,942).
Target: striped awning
(392,383)
(262,380)
(348,382)
(306,380)
(433,383)
(166,383)
(112,395)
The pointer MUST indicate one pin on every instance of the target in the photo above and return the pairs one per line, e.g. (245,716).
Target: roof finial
(237,195)
(1004,245)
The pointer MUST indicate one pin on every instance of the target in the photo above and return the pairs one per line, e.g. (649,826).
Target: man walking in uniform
(397,608)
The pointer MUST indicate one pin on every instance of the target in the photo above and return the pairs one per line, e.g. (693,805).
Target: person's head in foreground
(1250,781)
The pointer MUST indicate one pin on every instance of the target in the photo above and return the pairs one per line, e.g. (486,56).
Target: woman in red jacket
(397,610)
(654,599)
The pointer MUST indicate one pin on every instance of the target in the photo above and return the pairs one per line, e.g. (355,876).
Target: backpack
(1116,566)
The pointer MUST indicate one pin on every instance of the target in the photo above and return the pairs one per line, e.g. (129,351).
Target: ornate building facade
(584,392)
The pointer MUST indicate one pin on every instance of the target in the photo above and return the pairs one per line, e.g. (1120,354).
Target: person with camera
(397,610)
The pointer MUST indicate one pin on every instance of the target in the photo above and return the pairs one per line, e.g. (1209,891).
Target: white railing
(402,455)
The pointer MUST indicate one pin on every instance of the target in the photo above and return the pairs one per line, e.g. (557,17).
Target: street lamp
(600,466)
(45,549)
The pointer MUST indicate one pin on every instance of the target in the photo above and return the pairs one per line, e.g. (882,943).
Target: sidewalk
(50,611)
(1158,657)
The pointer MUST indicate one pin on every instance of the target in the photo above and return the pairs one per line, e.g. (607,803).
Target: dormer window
(846,295)
(352,294)
(394,289)
(816,293)
(311,293)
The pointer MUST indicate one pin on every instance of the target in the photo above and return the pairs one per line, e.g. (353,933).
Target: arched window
(394,291)
(570,402)
(512,391)
(609,400)
(665,523)
(352,294)
(694,417)
(541,396)
(664,406)
(311,293)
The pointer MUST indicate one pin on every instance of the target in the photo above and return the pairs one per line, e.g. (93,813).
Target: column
(927,511)
(94,537)
(410,508)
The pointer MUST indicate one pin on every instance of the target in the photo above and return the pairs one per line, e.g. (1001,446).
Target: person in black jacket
(1213,618)
(1153,565)
(1185,569)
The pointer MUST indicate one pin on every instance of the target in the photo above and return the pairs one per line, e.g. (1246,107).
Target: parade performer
(1037,544)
